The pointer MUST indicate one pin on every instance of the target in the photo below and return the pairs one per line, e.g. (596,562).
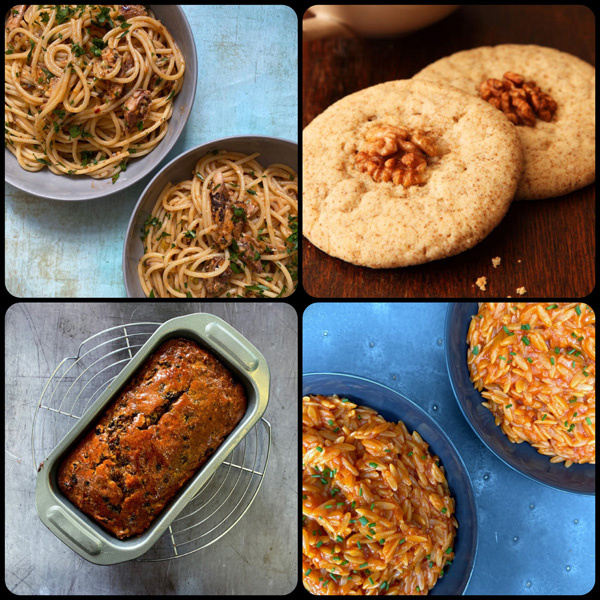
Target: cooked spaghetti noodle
(230,231)
(87,86)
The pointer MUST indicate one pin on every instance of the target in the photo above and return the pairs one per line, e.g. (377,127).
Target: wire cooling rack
(76,383)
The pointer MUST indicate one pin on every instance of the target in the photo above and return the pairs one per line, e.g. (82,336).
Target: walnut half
(392,154)
(521,101)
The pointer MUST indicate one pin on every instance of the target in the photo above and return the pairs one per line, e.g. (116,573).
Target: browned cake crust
(164,425)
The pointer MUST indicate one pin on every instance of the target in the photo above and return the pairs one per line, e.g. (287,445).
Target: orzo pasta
(378,517)
(535,365)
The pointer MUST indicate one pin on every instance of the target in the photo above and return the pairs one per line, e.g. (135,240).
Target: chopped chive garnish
(556,350)
(372,464)
(526,327)
(529,360)
(544,417)
(339,538)
(363,565)
(552,307)
(588,421)
(552,360)
(578,310)
(319,449)
(307,572)
(526,340)
(358,545)
(507,330)
(475,350)
(444,510)
(449,551)
(364,520)
(502,357)
(572,425)
(509,406)
(402,541)
(319,544)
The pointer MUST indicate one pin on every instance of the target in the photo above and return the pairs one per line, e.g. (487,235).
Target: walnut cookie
(406,172)
(552,104)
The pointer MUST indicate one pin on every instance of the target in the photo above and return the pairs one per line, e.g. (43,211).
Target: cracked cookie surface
(462,194)
(559,154)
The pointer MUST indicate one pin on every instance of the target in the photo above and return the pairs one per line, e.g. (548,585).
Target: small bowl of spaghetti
(219,221)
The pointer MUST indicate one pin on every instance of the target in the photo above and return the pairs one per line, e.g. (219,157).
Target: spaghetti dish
(535,365)
(378,517)
(229,231)
(87,86)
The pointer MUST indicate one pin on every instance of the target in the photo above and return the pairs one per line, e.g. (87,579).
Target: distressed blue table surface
(247,84)
(532,539)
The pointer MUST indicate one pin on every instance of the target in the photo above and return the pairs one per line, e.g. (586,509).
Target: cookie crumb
(481,282)
(521,291)
(496,261)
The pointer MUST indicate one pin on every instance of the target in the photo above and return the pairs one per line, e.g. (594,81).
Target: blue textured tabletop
(532,539)
(247,84)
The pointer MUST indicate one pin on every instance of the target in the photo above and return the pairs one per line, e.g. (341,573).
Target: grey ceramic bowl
(394,407)
(524,458)
(272,150)
(46,184)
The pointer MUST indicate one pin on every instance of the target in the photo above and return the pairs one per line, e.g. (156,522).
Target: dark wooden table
(546,246)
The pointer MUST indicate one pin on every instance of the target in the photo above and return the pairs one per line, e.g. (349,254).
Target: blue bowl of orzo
(524,378)
(388,506)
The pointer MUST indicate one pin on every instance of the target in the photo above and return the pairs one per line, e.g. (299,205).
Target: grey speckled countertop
(532,539)
(258,556)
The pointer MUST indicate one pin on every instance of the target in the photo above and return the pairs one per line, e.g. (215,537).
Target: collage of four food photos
(304,289)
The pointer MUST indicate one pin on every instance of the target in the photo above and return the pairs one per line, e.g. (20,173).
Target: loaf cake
(163,426)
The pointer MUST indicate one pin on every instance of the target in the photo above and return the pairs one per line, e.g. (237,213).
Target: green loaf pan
(80,532)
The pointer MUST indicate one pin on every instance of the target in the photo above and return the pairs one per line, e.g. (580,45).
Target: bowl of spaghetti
(524,378)
(95,95)
(220,221)
(387,502)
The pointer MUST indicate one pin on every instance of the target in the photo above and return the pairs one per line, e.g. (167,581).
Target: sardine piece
(136,109)
(133,10)
(222,210)
(16,16)
(215,286)
(250,251)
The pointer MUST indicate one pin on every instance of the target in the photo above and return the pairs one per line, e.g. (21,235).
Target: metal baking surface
(46,184)
(395,407)
(81,533)
(532,539)
(271,149)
